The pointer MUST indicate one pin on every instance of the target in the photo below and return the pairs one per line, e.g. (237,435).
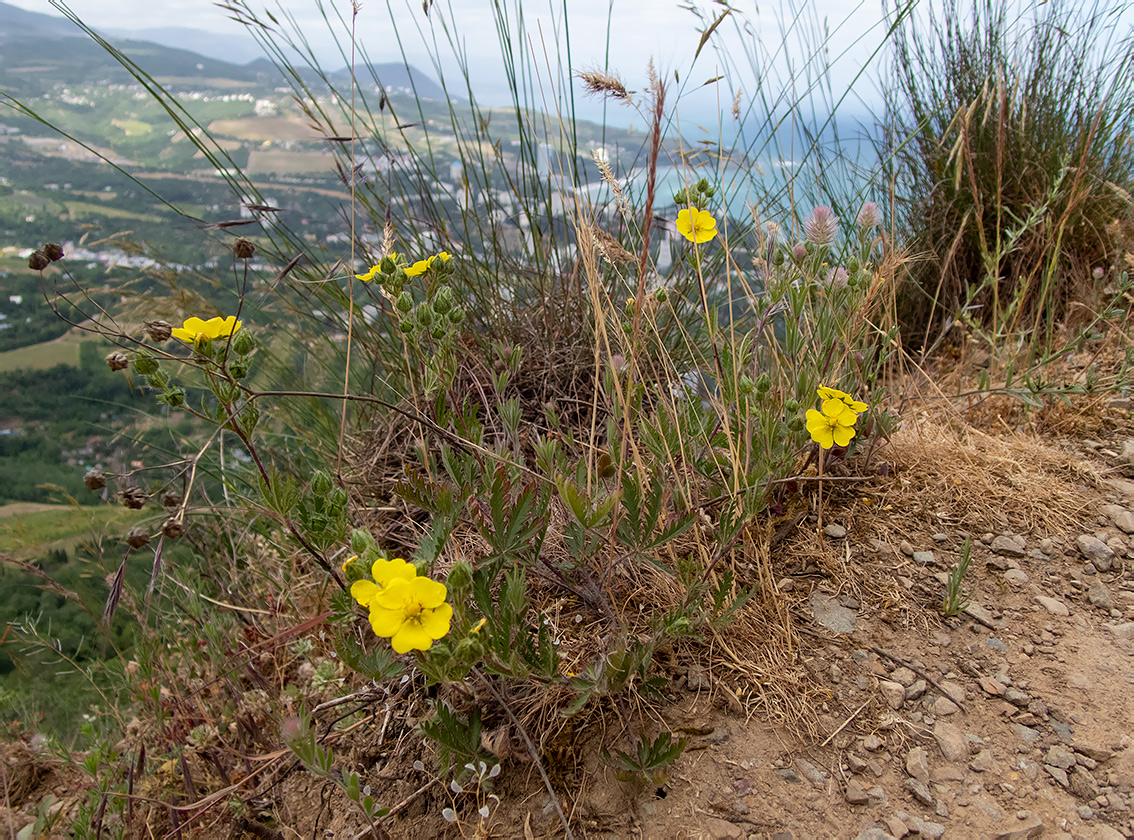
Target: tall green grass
(1009,129)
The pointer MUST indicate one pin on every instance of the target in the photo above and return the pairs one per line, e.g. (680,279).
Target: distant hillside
(167,51)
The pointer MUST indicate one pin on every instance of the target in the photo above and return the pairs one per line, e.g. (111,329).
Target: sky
(639,30)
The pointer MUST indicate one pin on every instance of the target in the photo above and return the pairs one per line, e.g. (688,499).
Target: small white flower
(450,815)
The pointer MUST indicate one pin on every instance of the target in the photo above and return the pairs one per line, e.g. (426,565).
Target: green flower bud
(809,247)
(763,383)
(681,197)
(779,259)
(460,580)
(852,279)
(702,186)
(791,406)
(387,265)
(852,265)
(425,314)
(173,397)
(443,300)
(439,330)
(158,380)
(745,385)
(456,315)
(661,295)
(321,483)
(795,423)
(710,192)
(360,541)
(405,302)
(406,326)
(238,369)
(338,500)
(145,364)
(355,569)
(243,343)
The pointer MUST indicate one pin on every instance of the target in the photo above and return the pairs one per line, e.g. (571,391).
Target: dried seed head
(134,498)
(170,499)
(38,261)
(158,330)
(137,537)
(53,251)
(602,84)
(94,479)
(243,249)
(173,527)
(117,361)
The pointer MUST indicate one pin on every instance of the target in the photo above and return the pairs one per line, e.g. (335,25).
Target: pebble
(831,614)
(1016,576)
(1027,825)
(1095,550)
(992,686)
(720,829)
(1122,631)
(810,772)
(1009,546)
(904,676)
(1025,733)
(943,707)
(873,833)
(1058,774)
(855,793)
(928,830)
(924,558)
(896,826)
(996,644)
(917,764)
(894,693)
(954,746)
(835,532)
(1016,697)
(915,690)
(982,763)
(940,537)
(1060,757)
(856,762)
(1052,605)
(872,743)
(906,549)
(1099,596)
(919,790)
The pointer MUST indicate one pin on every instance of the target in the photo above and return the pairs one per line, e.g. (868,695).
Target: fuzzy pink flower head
(837,277)
(869,216)
(822,226)
(799,251)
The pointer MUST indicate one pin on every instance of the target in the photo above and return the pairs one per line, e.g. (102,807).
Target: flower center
(413,610)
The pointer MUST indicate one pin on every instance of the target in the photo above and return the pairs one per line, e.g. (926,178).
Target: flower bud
(456,315)
(780,259)
(173,527)
(321,484)
(460,580)
(145,364)
(360,541)
(158,330)
(137,537)
(661,295)
(405,302)
(443,300)
(38,261)
(242,249)
(852,265)
(94,479)
(745,385)
(425,314)
(387,265)
(53,251)
(795,423)
(117,361)
(702,186)
(238,369)
(439,330)
(763,383)
(173,397)
(243,343)
(791,406)
(354,569)
(338,500)
(406,326)
(158,380)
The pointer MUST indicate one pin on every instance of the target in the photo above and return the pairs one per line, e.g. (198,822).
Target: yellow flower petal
(364,591)
(410,637)
(386,572)
(385,622)
(419,267)
(368,276)
(193,327)
(435,622)
(696,225)
(842,435)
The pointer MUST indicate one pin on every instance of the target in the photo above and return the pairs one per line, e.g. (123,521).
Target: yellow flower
(696,225)
(411,613)
(826,393)
(833,426)
(368,276)
(349,560)
(195,329)
(422,266)
(384,572)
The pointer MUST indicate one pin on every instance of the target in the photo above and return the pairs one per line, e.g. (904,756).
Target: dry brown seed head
(53,251)
(243,249)
(600,83)
(171,499)
(173,527)
(137,537)
(117,361)
(158,330)
(94,479)
(38,261)
(134,498)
